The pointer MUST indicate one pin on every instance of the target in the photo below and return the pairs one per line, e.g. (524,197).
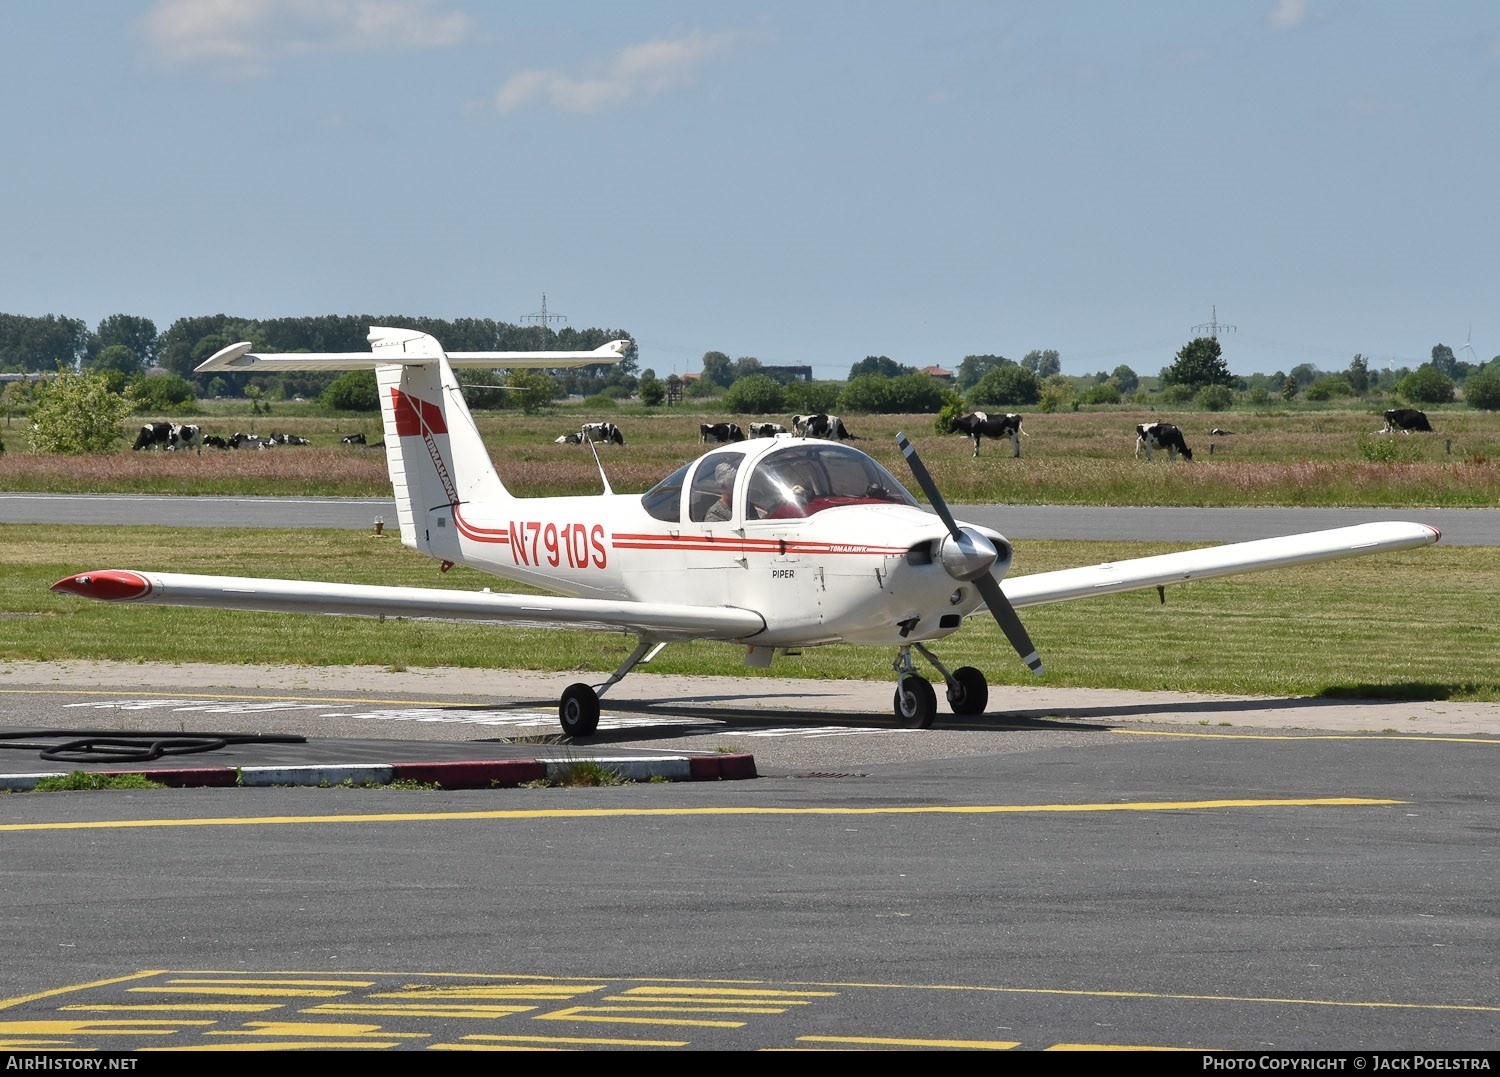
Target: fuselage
(816,536)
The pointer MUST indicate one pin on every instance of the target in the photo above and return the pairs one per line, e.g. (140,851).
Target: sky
(802,182)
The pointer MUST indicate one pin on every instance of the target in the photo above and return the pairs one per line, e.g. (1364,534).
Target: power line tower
(544,319)
(1213,325)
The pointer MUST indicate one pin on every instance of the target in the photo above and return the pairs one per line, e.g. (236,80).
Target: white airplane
(778,543)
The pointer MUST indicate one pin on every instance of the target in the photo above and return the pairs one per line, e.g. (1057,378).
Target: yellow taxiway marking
(883,1041)
(615,813)
(1425,738)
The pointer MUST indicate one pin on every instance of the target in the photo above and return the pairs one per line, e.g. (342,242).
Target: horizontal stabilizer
(1209,562)
(658,620)
(389,345)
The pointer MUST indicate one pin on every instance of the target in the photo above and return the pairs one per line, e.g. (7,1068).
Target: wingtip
(109,585)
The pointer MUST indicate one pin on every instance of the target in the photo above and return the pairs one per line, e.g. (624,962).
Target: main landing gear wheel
(969,693)
(915,702)
(579,711)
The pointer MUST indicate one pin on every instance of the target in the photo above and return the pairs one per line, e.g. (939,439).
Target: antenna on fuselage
(593,448)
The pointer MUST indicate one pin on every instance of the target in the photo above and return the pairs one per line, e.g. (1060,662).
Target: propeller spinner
(968,555)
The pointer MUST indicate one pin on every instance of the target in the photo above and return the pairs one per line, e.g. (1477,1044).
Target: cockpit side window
(664,500)
(712,492)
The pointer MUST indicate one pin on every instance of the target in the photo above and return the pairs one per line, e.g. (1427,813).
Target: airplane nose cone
(968,555)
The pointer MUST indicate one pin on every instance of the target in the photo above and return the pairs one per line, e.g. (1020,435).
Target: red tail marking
(415,416)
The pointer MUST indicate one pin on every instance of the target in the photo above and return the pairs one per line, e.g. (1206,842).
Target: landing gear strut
(915,704)
(579,709)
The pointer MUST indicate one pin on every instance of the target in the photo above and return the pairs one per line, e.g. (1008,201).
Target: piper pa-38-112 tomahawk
(778,543)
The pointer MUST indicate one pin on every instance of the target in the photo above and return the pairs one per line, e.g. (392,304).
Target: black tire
(915,703)
(579,711)
(970,692)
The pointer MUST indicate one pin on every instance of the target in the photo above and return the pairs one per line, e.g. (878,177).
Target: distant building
(800,373)
(937,372)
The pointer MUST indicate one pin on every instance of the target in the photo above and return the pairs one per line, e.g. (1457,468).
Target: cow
(249,441)
(153,434)
(214,441)
(1406,420)
(1152,436)
(606,432)
(822,426)
(185,436)
(978,425)
(766,430)
(353,439)
(719,433)
(287,439)
(568,439)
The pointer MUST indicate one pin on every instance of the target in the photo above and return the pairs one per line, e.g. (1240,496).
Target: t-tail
(436,456)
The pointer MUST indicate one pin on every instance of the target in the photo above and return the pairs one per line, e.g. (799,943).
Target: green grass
(1315,458)
(81,779)
(1418,624)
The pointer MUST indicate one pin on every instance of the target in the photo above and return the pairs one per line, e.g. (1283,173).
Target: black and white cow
(606,432)
(288,439)
(214,441)
(353,439)
(1406,420)
(822,425)
(568,439)
(766,430)
(719,433)
(979,424)
(238,440)
(185,436)
(1153,436)
(153,434)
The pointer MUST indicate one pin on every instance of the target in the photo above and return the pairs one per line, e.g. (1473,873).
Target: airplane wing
(389,345)
(1209,562)
(659,621)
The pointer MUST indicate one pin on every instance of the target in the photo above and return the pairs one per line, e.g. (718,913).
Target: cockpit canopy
(794,481)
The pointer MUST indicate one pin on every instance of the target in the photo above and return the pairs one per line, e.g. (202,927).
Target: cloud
(244,37)
(1287,14)
(635,72)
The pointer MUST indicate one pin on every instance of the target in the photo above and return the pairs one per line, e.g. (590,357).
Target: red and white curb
(453,774)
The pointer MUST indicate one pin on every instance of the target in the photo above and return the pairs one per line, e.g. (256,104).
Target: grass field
(1292,458)
(1336,629)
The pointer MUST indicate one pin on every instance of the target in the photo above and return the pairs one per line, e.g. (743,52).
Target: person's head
(724,475)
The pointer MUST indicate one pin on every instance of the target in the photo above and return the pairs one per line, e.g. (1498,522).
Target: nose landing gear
(915,703)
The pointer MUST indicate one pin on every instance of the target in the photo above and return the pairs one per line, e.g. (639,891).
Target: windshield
(809,478)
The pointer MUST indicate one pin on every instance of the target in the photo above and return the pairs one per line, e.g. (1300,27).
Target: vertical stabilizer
(436,457)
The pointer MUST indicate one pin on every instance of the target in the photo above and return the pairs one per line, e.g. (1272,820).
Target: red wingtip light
(110,585)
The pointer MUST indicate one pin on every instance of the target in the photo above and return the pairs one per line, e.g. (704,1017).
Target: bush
(1178,395)
(756,394)
(1216,398)
(810,397)
(1383,450)
(353,390)
(76,414)
(1006,386)
(1426,385)
(161,393)
(1482,390)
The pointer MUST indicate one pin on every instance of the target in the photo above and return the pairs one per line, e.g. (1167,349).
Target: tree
(1358,374)
(41,343)
(127,331)
(652,391)
(1199,363)
(1006,386)
(1444,361)
(118,359)
(1426,385)
(1043,364)
(76,414)
(1127,378)
(974,367)
(744,366)
(353,390)
(530,390)
(878,365)
(717,369)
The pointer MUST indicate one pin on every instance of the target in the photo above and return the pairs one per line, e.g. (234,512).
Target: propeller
(965,557)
